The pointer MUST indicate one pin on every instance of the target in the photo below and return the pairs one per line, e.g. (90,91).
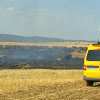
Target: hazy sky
(66,19)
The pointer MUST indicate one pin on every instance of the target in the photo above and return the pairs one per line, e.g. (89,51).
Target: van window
(93,55)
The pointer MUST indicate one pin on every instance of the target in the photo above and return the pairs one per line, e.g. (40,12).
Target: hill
(33,39)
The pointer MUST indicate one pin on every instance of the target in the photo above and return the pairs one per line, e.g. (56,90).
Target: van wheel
(89,83)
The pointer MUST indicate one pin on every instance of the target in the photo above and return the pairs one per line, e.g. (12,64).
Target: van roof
(94,46)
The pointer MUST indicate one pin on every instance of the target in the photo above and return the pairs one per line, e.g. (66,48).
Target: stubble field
(50,44)
(45,85)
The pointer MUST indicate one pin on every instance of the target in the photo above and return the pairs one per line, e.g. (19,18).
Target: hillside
(33,39)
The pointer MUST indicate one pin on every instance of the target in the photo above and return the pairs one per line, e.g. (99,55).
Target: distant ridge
(33,39)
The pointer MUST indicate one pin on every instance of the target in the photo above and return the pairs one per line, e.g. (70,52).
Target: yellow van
(91,67)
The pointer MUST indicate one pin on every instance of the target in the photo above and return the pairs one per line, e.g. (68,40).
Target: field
(45,85)
(50,44)
(76,54)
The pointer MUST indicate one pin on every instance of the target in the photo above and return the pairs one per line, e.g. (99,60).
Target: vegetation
(22,66)
(74,47)
(33,52)
(38,52)
(65,56)
(79,51)
(82,48)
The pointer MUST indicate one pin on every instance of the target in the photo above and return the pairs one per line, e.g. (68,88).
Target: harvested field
(45,85)
(50,44)
(77,54)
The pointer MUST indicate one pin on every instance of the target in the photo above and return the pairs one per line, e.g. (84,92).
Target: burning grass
(45,85)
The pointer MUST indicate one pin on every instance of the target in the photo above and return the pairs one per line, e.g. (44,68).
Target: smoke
(27,16)
(30,19)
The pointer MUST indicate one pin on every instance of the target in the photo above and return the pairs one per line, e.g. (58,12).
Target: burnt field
(41,57)
(75,63)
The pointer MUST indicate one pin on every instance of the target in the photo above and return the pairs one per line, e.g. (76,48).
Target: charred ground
(40,57)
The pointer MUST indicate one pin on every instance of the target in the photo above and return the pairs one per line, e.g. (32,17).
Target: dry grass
(45,85)
(50,44)
(76,54)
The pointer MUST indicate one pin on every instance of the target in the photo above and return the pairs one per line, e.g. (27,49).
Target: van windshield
(93,55)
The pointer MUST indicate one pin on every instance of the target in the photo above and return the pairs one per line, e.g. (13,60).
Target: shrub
(82,48)
(67,56)
(79,51)
(74,47)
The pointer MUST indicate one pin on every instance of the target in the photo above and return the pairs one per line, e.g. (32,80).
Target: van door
(92,69)
(92,63)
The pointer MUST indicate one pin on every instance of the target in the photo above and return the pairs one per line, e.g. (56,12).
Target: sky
(65,19)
